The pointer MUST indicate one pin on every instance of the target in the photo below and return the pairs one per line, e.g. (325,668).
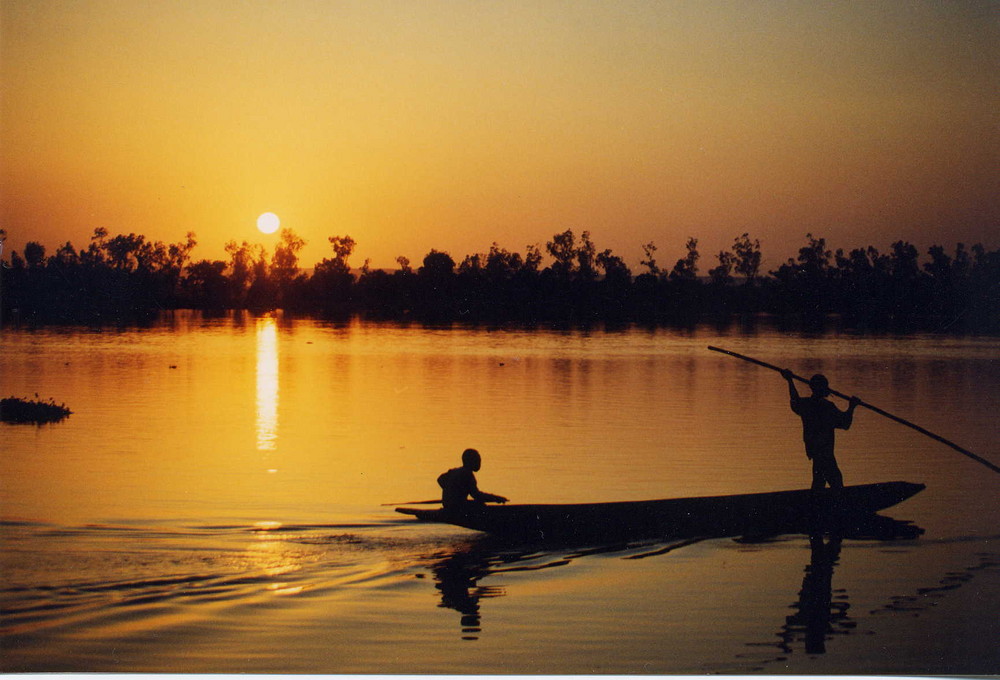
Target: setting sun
(268,223)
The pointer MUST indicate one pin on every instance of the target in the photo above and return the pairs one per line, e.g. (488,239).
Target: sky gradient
(450,125)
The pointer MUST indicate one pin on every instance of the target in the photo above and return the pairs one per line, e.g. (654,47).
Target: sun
(268,223)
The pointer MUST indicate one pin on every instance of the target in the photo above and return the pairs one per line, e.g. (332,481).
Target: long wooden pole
(890,416)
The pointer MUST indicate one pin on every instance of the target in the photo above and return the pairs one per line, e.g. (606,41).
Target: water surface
(214,504)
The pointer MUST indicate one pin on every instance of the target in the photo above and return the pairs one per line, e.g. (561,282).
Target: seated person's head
(471,459)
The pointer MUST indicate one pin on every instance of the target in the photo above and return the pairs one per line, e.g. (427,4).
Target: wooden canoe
(756,514)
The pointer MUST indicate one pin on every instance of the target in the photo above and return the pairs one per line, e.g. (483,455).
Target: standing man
(820,417)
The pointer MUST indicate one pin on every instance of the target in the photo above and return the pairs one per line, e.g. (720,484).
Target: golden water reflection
(267,384)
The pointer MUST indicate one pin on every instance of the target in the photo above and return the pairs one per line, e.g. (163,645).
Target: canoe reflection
(818,614)
(822,611)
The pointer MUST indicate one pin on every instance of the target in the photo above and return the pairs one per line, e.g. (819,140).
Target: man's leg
(834,476)
(819,476)
(825,468)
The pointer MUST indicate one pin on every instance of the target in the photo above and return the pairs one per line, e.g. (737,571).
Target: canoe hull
(746,514)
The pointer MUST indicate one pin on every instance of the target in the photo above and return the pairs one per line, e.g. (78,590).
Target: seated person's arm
(484,497)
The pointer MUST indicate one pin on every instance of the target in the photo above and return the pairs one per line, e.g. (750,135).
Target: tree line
(126,277)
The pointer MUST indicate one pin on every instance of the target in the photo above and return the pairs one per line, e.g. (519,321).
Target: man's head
(820,385)
(471,460)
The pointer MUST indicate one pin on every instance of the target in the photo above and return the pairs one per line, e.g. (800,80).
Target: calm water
(214,504)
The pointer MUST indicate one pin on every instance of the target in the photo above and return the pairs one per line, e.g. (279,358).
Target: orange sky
(448,125)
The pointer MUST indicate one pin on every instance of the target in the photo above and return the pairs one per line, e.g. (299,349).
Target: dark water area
(215,501)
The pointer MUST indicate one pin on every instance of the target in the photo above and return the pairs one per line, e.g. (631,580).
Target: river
(217,501)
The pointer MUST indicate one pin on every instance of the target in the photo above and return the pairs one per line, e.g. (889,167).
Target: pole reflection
(267,384)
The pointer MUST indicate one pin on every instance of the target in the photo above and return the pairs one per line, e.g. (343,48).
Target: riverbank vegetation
(36,411)
(126,277)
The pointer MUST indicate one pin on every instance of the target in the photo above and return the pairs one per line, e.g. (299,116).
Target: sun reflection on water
(267,384)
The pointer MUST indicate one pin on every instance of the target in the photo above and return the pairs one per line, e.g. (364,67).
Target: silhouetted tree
(949,286)
(127,253)
(126,277)
(113,279)
(686,269)
(261,293)
(614,268)
(804,285)
(501,264)
(563,250)
(747,257)
(34,254)
(649,250)
(586,255)
(66,256)
(532,259)
(437,266)
(908,290)
(332,281)
(436,285)
(862,284)
(722,274)
(94,256)
(343,247)
(285,266)
(983,296)
(615,288)
(682,298)
(472,264)
(472,287)
(169,263)
(245,261)
(205,285)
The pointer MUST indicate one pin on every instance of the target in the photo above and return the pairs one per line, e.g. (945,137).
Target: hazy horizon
(412,126)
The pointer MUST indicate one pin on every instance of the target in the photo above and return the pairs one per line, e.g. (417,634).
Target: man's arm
(792,392)
(489,497)
(482,496)
(847,417)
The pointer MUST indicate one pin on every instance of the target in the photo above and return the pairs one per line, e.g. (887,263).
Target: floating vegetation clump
(14,410)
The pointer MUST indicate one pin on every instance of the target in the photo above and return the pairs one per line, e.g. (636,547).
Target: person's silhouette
(820,417)
(457,579)
(818,615)
(459,484)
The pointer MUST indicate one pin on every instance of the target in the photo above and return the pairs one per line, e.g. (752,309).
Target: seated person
(458,484)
